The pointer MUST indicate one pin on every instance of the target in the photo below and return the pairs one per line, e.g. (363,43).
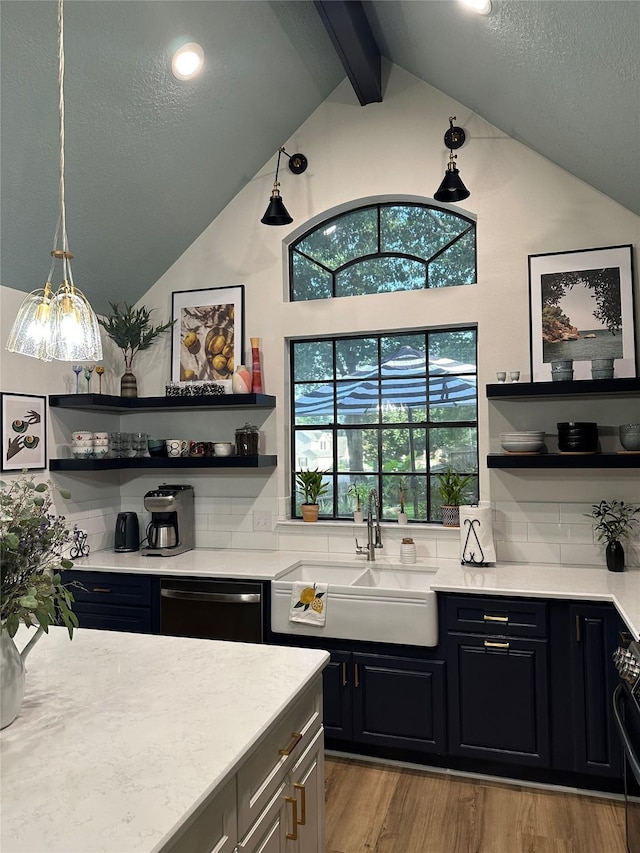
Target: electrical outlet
(262,521)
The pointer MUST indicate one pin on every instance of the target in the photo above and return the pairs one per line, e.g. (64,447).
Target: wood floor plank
(378,808)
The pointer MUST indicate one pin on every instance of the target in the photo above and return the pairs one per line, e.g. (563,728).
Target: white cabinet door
(307,790)
(267,835)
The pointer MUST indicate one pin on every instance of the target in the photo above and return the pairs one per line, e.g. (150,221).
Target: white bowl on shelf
(222,448)
(82,452)
(522,442)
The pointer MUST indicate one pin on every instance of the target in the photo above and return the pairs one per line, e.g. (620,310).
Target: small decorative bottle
(241,380)
(408,551)
(256,381)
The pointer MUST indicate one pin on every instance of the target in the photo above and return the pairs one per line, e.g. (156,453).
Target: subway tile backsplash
(530,532)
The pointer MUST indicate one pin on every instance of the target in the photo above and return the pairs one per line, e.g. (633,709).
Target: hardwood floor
(378,808)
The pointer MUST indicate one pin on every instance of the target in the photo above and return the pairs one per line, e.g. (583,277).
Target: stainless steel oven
(626,710)
(212,609)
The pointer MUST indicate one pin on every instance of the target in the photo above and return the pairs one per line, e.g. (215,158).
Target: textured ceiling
(151,161)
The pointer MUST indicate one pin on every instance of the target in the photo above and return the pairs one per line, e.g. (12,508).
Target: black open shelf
(165,462)
(563,460)
(573,388)
(119,405)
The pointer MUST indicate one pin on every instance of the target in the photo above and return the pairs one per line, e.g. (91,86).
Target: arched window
(381,248)
(385,410)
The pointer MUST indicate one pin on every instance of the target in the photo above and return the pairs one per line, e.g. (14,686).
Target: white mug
(176,447)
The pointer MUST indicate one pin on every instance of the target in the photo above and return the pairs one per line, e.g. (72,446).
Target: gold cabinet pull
(293,836)
(295,737)
(303,803)
(357,675)
(488,618)
(101,589)
(489,645)
(344,674)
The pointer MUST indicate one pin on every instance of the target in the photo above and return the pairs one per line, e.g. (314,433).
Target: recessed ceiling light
(482,7)
(187,61)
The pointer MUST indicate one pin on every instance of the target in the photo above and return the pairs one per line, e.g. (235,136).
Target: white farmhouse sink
(395,579)
(363,602)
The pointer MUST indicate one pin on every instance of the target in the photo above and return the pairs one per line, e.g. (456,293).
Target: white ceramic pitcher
(12,675)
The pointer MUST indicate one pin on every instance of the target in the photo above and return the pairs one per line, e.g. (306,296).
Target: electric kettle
(127,534)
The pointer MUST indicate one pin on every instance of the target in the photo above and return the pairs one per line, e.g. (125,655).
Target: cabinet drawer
(136,620)
(110,587)
(279,749)
(496,615)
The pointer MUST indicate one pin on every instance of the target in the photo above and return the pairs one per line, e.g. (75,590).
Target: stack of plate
(531,441)
(577,437)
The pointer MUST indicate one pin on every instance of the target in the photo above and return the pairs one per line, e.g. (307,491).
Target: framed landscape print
(24,432)
(581,307)
(208,338)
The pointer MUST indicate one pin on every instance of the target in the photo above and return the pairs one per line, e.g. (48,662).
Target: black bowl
(577,425)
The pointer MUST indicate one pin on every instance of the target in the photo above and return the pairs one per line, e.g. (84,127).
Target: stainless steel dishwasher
(212,609)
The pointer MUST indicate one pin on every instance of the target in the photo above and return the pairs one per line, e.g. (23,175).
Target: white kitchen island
(132,742)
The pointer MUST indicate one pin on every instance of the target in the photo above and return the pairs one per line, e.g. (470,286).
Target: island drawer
(265,769)
(110,587)
(496,615)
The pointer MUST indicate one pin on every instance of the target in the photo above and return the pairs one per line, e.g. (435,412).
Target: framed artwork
(24,431)
(581,307)
(208,338)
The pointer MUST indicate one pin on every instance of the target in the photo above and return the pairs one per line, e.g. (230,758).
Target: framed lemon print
(24,432)
(208,336)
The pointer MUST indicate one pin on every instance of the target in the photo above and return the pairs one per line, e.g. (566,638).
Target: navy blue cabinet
(595,635)
(115,601)
(385,701)
(498,696)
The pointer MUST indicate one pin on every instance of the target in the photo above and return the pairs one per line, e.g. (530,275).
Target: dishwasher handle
(628,746)
(221,597)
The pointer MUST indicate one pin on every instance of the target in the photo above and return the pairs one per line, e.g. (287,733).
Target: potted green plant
(453,489)
(311,487)
(359,492)
(612,523)
(131,330)
(33,542)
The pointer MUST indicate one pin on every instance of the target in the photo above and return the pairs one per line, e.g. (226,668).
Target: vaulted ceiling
(151,160)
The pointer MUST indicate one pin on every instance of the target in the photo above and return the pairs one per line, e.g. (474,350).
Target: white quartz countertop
(121,736)
(530,579)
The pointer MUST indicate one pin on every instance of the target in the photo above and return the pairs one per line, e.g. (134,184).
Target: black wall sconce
(452,189)
(277,213)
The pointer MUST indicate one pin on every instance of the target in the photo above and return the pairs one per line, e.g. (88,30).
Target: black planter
(615,556)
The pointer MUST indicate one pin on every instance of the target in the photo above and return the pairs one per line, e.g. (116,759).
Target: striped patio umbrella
(402,380)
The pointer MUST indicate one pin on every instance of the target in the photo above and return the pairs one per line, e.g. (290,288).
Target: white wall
(523,203)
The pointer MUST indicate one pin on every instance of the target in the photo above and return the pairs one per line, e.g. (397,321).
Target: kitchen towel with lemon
(309,603)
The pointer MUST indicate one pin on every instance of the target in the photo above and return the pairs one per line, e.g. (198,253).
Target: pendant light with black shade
(276,213)
(452,189)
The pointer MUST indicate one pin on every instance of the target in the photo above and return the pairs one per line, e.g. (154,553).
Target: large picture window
(385,411)
(381,248)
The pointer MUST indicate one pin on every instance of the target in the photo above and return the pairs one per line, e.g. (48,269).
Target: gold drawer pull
(101,589)
(295,737)
(293,836)
(357,674)
(344,674)
(488,618)
(303,802)
(490,645)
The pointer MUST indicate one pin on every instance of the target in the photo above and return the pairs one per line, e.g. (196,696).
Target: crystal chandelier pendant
(60,325)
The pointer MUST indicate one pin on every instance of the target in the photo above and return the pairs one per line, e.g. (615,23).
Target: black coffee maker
(171,529)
